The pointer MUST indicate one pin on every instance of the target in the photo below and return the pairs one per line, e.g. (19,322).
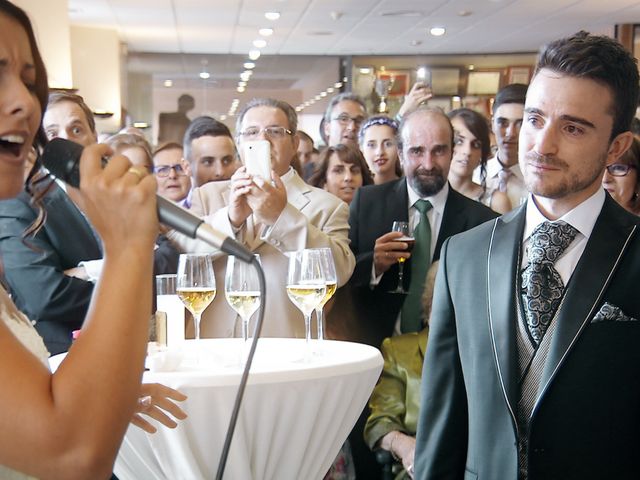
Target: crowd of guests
(432,170)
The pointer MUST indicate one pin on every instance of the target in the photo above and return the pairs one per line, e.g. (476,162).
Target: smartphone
(257,158)
(424,75)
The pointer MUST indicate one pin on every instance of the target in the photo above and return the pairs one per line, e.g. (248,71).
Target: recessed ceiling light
(437,31)
(456,98)
(365,70)
(240,89)
(464,13)
(298,109)
(266,32)
(272,15)
(323,94)
(401,13)
(204,75)
(254,54)
(415,43)
(249,65)
(337,84)
(140,125)
(223,117)
(244,77)
(317,97)
(259,43)
(168,83)
(242,83)
(330,90)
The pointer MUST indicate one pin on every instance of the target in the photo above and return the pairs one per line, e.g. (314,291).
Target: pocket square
(610,313)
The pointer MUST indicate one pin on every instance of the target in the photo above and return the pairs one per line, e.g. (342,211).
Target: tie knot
(504,174)
(549,240)
(423,206)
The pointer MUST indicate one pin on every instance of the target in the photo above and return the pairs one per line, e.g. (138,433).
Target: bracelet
(393,454)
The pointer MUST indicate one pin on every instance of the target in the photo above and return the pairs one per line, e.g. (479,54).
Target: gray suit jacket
(312,218)
(586,420)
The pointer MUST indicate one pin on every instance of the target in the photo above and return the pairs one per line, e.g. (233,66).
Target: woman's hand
(155,400)
(119,200)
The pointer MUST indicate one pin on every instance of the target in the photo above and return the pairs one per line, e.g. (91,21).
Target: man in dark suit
(532,365)
(426,146)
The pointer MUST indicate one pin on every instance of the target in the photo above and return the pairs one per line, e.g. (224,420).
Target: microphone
(61,158)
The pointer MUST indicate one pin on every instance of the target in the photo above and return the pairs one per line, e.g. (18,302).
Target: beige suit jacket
(312,218)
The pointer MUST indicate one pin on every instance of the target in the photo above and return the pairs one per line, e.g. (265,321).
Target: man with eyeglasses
(271,216)
(342,119)
(172,173)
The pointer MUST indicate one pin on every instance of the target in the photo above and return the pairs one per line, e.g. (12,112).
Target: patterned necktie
(411,315)
(503,179)
(542,287)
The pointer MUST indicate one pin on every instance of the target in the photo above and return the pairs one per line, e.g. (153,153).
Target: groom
(533,360)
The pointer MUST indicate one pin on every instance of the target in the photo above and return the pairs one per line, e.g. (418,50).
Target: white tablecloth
(294,418)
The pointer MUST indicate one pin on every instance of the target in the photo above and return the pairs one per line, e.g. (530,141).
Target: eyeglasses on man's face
(344,120)
(619,169)
(252,133)
(164,171)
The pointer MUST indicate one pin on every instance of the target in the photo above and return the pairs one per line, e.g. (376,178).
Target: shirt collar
(494,167)
(287,176)
(437,201)
(583,217)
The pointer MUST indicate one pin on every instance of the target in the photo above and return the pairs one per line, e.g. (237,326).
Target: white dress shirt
(582,218)
(516,190)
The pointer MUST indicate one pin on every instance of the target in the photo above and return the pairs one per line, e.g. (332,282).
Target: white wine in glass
(242,290)
(196,285)
(331,282)
(306,286)
(407,238)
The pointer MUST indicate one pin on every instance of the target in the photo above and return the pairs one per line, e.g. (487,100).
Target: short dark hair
(603,60)
(201,127)
(635,126)
(305,136)
(61,96)
(512,93)
(423,109)
(479,128)
(346,153)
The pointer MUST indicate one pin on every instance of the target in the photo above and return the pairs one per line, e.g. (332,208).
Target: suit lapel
(502,271)
(601,257)
(297,192)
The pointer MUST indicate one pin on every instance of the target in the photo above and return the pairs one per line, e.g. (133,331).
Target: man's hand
(266,200)
(420,93)
(155,400)
(387,251)
(239,210)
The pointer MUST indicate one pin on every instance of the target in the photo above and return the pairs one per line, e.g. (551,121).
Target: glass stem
(307,328)
(400,275)
(196,326)
(320,320)
(245,328)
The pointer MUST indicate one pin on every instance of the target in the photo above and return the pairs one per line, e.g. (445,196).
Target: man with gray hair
(270,217)
(342,119)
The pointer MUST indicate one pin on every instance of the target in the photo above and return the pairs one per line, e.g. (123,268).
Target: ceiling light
(365,70)
(168,83)
(272,15)
(464,13)
(471,67)
(259,43)
(323,94)
(244,77)
(140,125)
(330,90)
(415,43)
(204,75)
(422,72)
(249,65)
(266,32)
(242,83)
(456,98)
(317,97)
(298,109)
(254,54)
(337,84)
(437,31)
(401,13)
(223,117)
(240,89)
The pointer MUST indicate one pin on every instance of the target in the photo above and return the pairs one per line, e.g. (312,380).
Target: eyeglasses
(344,120)
(619,169)
(269,132)
(164,171)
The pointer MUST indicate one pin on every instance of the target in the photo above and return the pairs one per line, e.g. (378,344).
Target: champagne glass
(407,238)
(305,284)
(196,284)
(331,281)
(242,290)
